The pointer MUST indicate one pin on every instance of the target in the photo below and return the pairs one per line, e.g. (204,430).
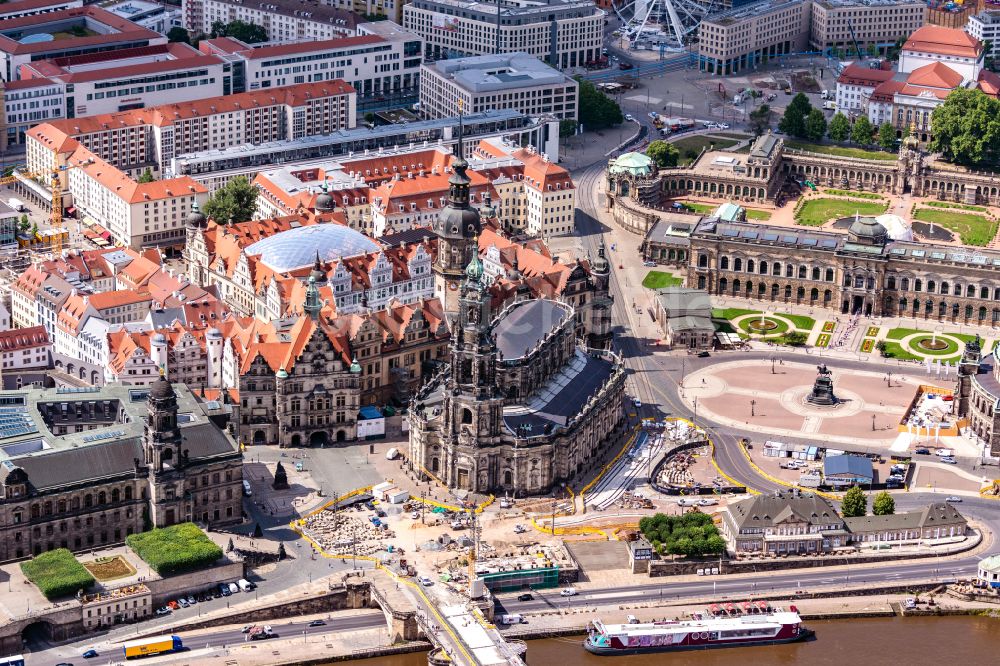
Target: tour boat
(766,627)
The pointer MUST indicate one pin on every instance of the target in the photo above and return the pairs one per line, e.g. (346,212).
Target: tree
(886,136)
(280,477)
(34,229)
(257,532)
(815,125)
(567,127)
(249,33)
(839,129)
(229,546)
(281,551)
(883,504)
(25,224)
(854,503)
(760,119)
(597,110)
(147,176)
(862,131)
(967,128)
(178,34)
(882,348)
(794,120)
(236,201)
(663,153)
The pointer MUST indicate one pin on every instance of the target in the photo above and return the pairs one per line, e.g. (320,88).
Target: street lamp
(873,423)
(753,404)
(772,365)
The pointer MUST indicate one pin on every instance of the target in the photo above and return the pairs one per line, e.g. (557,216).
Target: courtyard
(816,212)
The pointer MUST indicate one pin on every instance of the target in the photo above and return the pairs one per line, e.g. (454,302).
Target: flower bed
(871,332)
(823,340)
(867,345)
(829,326)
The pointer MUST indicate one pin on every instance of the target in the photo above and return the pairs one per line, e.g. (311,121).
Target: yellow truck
(146,647)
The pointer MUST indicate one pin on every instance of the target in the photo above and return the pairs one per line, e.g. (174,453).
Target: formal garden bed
(823,340)
(841,151)
(175,549)
(855,194)
(829,326)
(818,211)
(57,573)
(867,345)
(871,332)
(705,209)
(110,568)
(976,230)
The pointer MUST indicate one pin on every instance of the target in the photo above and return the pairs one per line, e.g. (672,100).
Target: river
(925,640)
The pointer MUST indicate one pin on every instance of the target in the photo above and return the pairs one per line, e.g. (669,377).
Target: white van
(233,589)
(244,584)
(511,619)
(247,492)
(631,619)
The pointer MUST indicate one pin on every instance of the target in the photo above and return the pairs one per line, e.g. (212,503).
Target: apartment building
(985,27)
(24,349)
(133,78)
(27,103)
(857,82)
(383,65)
(563,33)
(99,30)
(284,20)
(741,38)
(507,81)
(839,24)
(153,15)
(13,10)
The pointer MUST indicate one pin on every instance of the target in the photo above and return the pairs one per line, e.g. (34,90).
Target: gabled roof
(859,75)
(943,41)
(17,339)
(935,75)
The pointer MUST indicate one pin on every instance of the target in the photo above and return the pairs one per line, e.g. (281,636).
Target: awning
(71,211)
(106,235)
(100,242)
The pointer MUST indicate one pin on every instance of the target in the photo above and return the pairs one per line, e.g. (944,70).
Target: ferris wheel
(678,18)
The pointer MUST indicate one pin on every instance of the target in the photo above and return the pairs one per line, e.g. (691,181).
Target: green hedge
(692,534)
(57,573)
(175,549)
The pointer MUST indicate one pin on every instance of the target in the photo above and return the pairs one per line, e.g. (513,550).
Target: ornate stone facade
(99,464)
(977,393)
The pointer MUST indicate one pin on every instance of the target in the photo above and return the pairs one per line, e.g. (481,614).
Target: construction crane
(55,185)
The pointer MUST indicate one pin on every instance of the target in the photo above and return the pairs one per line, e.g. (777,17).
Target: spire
(459,164)
(474,271)
(317,270)
(312,305)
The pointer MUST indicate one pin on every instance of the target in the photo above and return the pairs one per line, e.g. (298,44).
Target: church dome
(474,271)
(458,223)
(324,201)
(161,389)
(196,218)
(896,227)
(298,248)
(868,231)
(634,164)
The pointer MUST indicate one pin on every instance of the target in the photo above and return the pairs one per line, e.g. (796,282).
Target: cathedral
(522,405)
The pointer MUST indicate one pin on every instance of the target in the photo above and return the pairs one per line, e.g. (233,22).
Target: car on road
(90,654)
(707,502)
(629,118)
(953,499)
(568,592)
(182,602)
(520,529)
(649,264)
(163,611)
(524,597)
(687,501)
(246,629)
(317,623)
(703,354)
(948,460)
(425,581)
(638,403)
(922,451)
(722,125)
(415,515)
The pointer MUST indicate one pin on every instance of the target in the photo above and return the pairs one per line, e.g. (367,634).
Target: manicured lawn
(754,214)
(747,326)
(57,573)
(817,212)
(893,350)
(801,322)
(731,313)
(976,230)
(705,209)
(110,568)
(900,333)
(841,151)
(690,146)
(659,280)
(853,193)
(948,204)
(950,348)
(175,549)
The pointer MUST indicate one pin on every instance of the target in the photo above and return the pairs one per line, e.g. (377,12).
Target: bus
(150,646)
(15,660)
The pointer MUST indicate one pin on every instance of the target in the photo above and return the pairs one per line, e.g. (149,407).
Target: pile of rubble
(677,471)
(339,532)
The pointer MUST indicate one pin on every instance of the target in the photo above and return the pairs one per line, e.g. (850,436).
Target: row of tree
(855,504)
(597,110)
(249,33)
(803,121)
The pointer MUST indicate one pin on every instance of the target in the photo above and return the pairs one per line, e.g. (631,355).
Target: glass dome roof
(297,248)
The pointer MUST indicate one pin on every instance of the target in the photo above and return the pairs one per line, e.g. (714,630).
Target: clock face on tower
(453,286)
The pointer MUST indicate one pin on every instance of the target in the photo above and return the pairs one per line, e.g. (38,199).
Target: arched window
(789,271)
(802,272)
(701,281)
(702,261)
(128,493)
(776,269)
(890,283)
(466,416)
(750,265)
(815,273)
(930,287)
(904,284)
(763,268)
(102,498)
(970,291)
(737,264)
(944,288)
(724,263)
(829,275)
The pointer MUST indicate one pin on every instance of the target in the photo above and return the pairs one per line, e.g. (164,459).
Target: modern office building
(152,15)
(563,33)
(840,24)
(744,36)
(284,20)
(985,27)
(507,81)
(27,103)
(30,37)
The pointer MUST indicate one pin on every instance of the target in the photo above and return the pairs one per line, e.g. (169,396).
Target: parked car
(317,623)
(707,502)
(163,611)
(703,354)
(922,451)
(948,460)
(173,605)
(910,603)
(638,403)
(90,654)
(415,515)
(629,118)
(953,499)
(568,592)
(183,603)
(191,600)
(649,264)
(687,501)
(520,529)
(425,581)
(525,597)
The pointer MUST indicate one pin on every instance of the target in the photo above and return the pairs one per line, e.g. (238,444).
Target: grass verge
(817,212)
(660,279)
(977,230)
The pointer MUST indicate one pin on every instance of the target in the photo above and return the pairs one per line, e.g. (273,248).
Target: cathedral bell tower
(457,228)
(164,457)
(473,409)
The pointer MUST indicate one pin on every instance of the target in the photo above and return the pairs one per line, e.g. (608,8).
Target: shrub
(692,534)
(57,573)
(175,549)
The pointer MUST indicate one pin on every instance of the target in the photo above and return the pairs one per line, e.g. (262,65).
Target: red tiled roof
(23,338)
(943,41)
(123,31)
(325,45)
(859,75)
(935,75)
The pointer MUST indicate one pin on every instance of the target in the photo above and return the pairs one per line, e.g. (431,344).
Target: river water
(906,641)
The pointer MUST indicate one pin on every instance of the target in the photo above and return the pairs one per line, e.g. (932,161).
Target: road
(213,641)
